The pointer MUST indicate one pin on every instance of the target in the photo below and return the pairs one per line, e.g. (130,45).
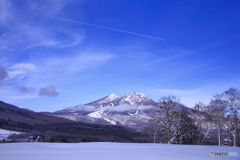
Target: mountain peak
(137,94)
(136,98)
(132,99)
(132,93)
(112,97)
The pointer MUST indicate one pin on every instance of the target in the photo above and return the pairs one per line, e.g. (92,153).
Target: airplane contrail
(93,25)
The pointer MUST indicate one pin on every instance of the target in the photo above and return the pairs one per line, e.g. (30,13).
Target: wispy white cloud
(28,36)
(47,7)
(24,66)
(5,11)
(78,39)
(21,33)
(156,57)
(51,70)
(122,108)
(21,70)
(167,64)
(126,108)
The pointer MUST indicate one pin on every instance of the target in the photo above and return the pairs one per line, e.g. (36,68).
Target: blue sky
(61,53)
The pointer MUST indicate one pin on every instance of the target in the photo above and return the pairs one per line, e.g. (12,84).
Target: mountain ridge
(132,99)
(131,111)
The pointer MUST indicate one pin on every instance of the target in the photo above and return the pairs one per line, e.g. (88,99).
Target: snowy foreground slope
(110,151)
(5,133)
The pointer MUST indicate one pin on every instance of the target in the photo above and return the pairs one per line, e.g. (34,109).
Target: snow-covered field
(5,133)
(110,151)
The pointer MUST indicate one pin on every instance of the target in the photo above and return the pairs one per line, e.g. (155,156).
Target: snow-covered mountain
(110,100)
(133,99)
(132,110)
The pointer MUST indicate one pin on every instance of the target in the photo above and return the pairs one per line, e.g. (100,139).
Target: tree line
(70,132)
(217,123)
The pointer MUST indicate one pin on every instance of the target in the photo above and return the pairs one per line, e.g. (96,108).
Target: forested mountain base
(72,132)
(55,129)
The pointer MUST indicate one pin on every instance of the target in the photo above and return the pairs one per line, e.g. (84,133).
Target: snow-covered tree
(232,99)
(168,113)
(217,109)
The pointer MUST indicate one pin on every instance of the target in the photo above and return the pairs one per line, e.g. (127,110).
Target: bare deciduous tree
(168,107)
(184,130)
(217,109)
(232,99)
(202,122)
(152,128)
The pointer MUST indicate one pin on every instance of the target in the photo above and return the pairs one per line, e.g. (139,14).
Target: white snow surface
(114,100)
(111,121)
(134,98)
(109,98)
(111,151)
(134,113)
(97,114)
(112,97)
(5,133)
